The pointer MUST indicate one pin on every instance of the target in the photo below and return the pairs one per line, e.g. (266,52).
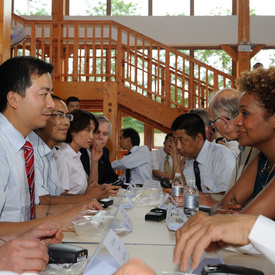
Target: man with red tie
(25,104)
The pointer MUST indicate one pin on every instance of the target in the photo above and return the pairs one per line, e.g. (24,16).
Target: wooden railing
(101,51)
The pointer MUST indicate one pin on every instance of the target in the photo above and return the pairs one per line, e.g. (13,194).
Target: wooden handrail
(104,50)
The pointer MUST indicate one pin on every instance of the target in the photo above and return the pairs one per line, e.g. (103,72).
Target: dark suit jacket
(106,173)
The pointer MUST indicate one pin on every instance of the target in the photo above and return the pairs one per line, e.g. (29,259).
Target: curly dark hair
(261,83)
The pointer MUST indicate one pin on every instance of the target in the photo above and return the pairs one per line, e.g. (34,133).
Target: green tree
(130,122)
(35,7)
(118,7)
(218,58)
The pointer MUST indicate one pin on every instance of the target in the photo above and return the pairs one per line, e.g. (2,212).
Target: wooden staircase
(117,70)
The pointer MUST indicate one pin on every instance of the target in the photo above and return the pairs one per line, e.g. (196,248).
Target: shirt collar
(15,138)
(133,149)
(201,158)
(70,150)
(37,142)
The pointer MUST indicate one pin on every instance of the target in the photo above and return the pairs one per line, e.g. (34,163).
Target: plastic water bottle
(190,198)
(177,188)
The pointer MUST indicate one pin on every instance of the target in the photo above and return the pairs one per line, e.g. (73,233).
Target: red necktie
(29,164)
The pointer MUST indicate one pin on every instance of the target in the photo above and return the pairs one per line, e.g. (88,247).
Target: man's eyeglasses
(212,122)
(69,116)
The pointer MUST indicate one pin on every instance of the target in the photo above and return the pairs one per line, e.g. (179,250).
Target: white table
(144,232)
(154,243)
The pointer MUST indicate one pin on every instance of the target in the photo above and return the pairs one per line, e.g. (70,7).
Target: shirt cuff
(262,237)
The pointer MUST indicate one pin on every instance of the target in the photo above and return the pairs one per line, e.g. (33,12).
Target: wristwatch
(220,139)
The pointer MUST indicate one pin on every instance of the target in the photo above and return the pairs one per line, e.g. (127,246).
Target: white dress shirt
(46,179)
(139,163)
(70,170)
(158,159)
(262,237)
(216,163)
(14,188)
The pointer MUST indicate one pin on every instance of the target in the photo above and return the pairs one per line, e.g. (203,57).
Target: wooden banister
(103,51)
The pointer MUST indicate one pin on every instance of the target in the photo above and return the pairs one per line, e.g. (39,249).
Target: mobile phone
(156,214)
(106,202)
(223,269)
(205,209)
(165,183)
(118,182)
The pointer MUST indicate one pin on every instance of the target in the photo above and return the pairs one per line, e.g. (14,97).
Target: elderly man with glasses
(223,108)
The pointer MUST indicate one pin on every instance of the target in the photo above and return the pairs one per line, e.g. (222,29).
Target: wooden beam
(150,7)
(230,51)
(110,110)
(149,109)
(192,7)
(58,9)
(67,7)
(149,136)
(5,30)
(256,50)
(243,61)
(243,21)
(83,90)
(109,7)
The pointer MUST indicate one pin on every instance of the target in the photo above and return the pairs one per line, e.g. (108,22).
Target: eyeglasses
(181,139)
(69,116)
(211,122)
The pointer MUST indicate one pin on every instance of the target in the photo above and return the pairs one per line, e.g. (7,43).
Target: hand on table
(95,191)
(231,207)
(24,255)
(202,232)
(46,232)
(205,199)
(94,205)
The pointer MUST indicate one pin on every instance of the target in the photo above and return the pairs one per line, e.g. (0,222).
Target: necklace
(266,166)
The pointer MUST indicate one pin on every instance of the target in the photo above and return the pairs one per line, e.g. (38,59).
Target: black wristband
(220,139)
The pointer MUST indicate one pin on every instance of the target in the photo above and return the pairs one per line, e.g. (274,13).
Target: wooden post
(110,110)
(58,12)
(5,30)
(58,9)
(149,136)
(243,61)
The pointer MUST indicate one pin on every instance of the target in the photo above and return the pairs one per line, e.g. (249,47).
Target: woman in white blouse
(70,170)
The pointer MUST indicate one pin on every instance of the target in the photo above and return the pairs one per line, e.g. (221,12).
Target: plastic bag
(143,197)
(66,269)
(96,223)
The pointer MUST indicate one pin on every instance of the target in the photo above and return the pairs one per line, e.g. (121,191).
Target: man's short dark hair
(72,99)
(191,123)
(80,122)
(132,134)
(166,137)
(16,75)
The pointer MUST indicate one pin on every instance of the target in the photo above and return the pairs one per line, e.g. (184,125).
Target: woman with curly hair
(256,128)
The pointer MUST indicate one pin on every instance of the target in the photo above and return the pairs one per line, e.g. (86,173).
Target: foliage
(118,7)
(215,58)
(129,122)
(35,7)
